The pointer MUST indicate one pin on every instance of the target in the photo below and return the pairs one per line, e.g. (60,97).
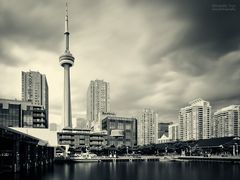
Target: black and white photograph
(119,89)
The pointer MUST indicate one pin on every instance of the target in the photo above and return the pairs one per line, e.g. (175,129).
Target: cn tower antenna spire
(66,28)
(66,17)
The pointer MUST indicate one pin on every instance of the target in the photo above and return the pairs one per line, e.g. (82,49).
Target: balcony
(117,133)
(96,138)
(38,115)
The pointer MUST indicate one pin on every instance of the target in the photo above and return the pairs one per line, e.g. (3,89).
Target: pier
(124,159)
(131,159)
(19,151)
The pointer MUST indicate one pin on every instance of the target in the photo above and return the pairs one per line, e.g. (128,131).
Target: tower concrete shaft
(67,97)
(66,61)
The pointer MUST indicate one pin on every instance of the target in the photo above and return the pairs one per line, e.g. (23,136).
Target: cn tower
(66,61)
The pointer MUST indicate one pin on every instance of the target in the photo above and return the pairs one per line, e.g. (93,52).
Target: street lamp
(234,150)
(237,149)
(236,139)
(166,150)
(190,150)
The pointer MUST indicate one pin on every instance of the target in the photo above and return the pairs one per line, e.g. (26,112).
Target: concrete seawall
(231,159)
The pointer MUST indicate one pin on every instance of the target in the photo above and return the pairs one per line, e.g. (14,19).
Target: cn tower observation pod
(66,59)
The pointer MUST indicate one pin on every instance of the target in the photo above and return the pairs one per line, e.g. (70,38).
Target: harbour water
(132,171)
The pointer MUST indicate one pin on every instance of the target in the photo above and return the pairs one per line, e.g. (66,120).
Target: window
(128,135)
(120,125)
(128,126)
(112,125)
(10,116)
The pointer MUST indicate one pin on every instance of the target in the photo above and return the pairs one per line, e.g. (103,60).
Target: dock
(123,159)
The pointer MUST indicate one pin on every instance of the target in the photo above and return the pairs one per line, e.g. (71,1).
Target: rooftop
(228,108)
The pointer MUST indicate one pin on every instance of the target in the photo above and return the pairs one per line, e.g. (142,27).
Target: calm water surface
(133,171)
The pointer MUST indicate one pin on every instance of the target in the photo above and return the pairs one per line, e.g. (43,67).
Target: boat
(84,157)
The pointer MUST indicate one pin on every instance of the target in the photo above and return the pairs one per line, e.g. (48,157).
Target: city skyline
(164,59)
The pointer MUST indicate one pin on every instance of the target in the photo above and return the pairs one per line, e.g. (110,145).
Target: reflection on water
(132,171)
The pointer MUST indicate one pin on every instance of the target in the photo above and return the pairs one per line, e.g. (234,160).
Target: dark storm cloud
(213,32)
(210,35)
(6,58)
(26,24)
(218,29)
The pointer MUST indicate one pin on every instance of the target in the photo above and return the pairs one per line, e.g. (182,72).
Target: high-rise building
(173,131)
(163,129)
(98,99)
(226,121)
(147,127)
(66,61)
(195,120)
(14,113)
(35,89)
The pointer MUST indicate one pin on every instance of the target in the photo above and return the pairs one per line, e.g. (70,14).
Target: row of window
(120,125)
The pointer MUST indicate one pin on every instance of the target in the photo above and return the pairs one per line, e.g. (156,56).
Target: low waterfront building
(163,139)
(120,130)
(96,125)
(42,133)
(20,151)
(15,113)
(226,121)
(81,138)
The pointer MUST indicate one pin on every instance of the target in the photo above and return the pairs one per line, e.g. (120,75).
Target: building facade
(81,138)
(96,125)
(163,129)
(120,131)
(147,127)
(98,99)
(35,89)
(195,121)
(173,131)
(226,121)
(14,113)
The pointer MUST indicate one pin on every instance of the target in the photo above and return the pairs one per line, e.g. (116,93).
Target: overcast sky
(154,53)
